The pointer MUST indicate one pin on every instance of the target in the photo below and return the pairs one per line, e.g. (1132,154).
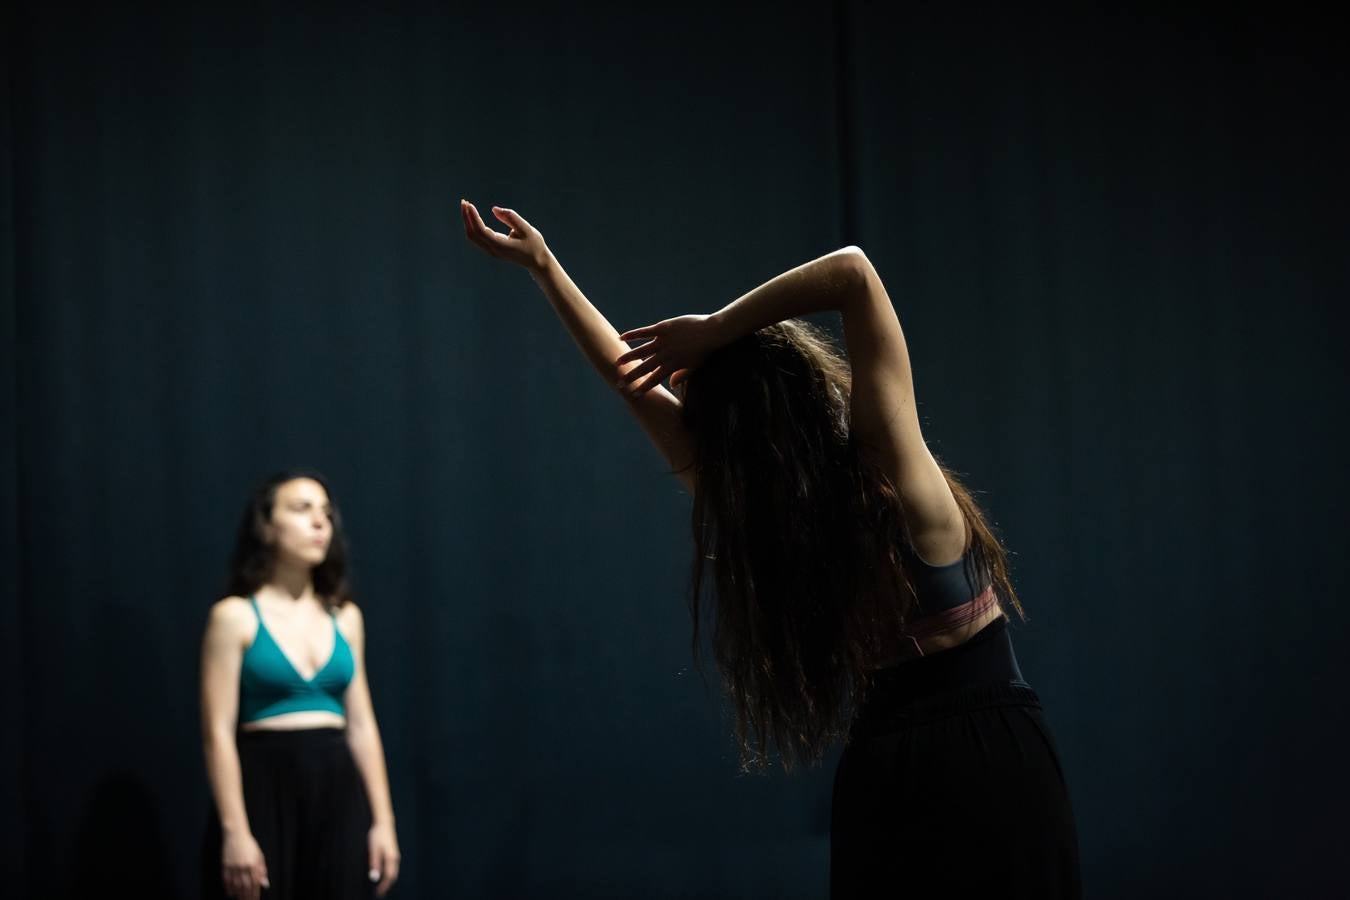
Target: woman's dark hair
(801,540)
(251,564)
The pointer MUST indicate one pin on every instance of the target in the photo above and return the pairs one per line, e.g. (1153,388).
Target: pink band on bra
(951,618)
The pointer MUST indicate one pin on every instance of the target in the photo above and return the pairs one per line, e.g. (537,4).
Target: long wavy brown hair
(253,558)
(798,541)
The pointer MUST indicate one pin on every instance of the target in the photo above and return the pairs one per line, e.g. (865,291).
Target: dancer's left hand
(384,857)
(524,245)
(673,349)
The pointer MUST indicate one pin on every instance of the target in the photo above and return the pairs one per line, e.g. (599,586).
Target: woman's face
(302,526)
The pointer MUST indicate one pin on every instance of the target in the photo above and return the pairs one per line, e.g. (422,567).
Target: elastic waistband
(987,656)
(978,674)
(879,718)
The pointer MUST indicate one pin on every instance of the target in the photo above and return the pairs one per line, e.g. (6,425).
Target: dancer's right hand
(524,245)
(244,869)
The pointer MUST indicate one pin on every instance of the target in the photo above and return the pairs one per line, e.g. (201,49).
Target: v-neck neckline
(332,654)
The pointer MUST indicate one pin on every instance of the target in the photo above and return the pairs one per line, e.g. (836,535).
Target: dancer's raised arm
(656,409)
(883,415)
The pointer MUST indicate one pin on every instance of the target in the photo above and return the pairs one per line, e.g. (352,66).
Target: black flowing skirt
(950,784)
(307,809)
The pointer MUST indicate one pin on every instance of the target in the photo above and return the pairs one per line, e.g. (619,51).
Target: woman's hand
(244,869)
(674,348)
(384,857)
(524,245)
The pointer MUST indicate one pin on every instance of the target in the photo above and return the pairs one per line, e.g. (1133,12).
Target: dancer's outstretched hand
(673,349)
(524,245)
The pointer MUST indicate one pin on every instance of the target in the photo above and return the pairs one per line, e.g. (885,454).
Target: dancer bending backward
(858,592)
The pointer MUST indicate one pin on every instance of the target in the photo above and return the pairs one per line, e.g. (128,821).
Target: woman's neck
(296,582)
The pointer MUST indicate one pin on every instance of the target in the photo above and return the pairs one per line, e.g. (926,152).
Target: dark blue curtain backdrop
(1117,244)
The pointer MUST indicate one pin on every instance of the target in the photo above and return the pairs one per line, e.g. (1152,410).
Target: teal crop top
(269,685)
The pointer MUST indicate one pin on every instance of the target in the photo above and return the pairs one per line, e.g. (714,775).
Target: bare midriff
(294,721)
(927,642)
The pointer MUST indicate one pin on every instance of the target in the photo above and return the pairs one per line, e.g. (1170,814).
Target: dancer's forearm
(594,336)
(656,411)
(368,753)
(831,282)
(227,783)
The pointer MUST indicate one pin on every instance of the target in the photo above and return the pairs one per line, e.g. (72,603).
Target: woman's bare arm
(222,654)
(228,631)
(363,737)
(656,409)
(884,418)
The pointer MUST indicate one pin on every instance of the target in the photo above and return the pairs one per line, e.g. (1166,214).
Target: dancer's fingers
(646,350)
(645,331)
(637,372)
(493,237)
(512,218)
(473,229)
(648,383)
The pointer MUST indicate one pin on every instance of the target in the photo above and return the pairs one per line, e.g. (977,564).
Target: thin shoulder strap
(253,598)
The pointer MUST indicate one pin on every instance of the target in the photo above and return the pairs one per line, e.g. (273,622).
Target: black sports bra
(941,588)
